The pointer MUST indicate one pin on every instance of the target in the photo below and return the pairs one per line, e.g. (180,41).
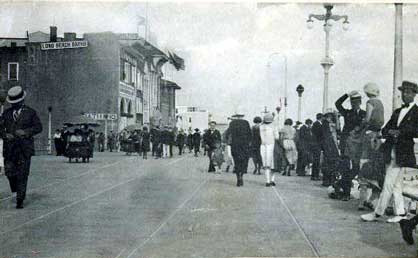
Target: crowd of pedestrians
(365,149)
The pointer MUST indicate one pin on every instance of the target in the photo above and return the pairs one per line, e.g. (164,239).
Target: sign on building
(101,116)
(62,45)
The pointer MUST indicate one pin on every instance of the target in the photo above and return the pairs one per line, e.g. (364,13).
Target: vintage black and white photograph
(134,129)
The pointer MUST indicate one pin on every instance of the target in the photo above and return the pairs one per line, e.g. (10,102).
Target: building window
(122,106)
(122,70)
(129,108)
(13,71)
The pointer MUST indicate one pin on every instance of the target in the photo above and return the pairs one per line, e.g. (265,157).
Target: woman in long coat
(287,138)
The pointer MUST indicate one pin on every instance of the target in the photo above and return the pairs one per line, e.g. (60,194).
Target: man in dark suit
(196,138)
(398,151)
(210,138)
(353,119)
(316,146)
(305,144)
(20,123)
(240,132)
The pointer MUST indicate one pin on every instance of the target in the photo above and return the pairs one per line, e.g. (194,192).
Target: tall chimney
(53,34)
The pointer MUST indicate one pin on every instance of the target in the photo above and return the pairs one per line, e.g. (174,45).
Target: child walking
(218,157)
(268,135)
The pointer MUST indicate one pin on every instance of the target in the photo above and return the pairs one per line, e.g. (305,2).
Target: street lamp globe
(300,89)
(346,25)
(309,23)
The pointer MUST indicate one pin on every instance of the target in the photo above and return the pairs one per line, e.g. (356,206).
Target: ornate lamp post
(300,90)
(327,62)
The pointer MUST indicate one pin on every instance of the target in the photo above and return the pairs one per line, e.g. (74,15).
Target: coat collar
(408,115)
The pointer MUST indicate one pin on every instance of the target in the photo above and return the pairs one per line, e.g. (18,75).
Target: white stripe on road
(166,220)
(297,224)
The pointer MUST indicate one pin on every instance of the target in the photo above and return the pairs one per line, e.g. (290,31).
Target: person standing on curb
(19,124)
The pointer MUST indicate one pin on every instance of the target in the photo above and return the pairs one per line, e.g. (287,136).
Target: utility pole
(398,65)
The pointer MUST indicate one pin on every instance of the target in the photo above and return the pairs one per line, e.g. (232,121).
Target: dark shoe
(268,184)
(227,169)
(368,205)
(407,228)
(255,171)
(345,199)
(273,184)
(389,211)
(19,204)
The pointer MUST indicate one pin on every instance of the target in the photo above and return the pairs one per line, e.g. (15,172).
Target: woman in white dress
(268,135)
(287,137)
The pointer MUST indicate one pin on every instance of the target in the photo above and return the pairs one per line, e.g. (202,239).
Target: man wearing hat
(196,141)
(20,124)
(398,151)
(352,121)
(211,138)
(240,133)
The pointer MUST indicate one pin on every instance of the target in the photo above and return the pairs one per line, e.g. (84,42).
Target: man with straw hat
(20,123)
(240,132)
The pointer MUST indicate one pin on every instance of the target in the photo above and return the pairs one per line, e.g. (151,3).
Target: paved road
(122,206)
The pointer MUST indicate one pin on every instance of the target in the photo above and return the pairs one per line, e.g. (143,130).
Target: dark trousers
(58,146)
(348,177)
(240,164)
(329,170)
(211,165)
(17,173)
(180,149)
(316,162)
(196,149)
(171,150)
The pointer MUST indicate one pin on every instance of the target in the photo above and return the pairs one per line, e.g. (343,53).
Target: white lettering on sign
(101,116)
(62,45)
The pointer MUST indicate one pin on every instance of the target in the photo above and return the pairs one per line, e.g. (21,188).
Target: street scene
(247,129)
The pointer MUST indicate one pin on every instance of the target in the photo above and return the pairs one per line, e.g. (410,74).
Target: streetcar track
(305,236)
(150,237)
(67,178)
(78,201)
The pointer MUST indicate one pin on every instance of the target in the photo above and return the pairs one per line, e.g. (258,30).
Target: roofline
(14,38)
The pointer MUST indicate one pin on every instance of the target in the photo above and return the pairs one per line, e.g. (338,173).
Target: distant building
(168,102)
(100,73)
(189,118)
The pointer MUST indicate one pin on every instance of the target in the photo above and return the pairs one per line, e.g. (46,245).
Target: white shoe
(369,217)
(396,219)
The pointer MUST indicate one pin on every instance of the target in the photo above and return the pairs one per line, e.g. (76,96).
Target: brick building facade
(99,73)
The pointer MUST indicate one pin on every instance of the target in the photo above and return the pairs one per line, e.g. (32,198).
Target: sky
(235,53)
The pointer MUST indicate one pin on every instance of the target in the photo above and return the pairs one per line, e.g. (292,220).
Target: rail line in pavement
(305,236)
(78,201)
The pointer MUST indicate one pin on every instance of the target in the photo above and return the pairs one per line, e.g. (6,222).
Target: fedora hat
(15,95)
(408,85)
(355,95)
